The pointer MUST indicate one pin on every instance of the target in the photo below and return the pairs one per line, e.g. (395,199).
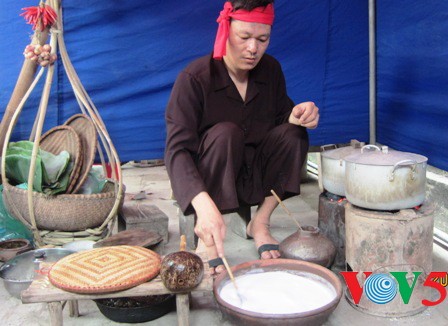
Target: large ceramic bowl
(309,318)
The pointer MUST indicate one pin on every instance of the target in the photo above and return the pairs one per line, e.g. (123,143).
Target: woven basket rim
(36,194)
(64,212)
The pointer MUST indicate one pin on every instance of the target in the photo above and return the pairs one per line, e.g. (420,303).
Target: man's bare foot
(262,236)
(213,259)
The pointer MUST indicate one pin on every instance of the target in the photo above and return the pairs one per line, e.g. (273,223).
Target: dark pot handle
(323,147)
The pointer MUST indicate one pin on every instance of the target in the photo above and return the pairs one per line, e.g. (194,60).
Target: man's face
(246,44)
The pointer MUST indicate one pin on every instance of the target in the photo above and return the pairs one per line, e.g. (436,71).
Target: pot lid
(340,153)
(373,155)
(22,267)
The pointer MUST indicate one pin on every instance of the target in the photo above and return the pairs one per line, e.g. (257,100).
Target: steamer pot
(385,180)
(333,166)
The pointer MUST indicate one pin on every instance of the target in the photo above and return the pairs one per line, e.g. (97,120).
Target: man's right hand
(210,226)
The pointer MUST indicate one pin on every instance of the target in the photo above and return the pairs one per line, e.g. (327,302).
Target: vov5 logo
(382,288)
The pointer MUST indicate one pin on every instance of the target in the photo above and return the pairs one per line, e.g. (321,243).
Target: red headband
(263,15)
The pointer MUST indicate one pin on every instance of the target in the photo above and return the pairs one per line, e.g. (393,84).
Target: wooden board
(132,237)
(139,211)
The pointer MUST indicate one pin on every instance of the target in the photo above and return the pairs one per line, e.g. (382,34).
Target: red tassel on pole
(40,17)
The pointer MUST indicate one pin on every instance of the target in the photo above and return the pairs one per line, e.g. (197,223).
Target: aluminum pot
(384,179)
(333,166)
(18,272)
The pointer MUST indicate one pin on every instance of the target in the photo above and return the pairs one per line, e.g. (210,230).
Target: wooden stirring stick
(286,210)
(232,278)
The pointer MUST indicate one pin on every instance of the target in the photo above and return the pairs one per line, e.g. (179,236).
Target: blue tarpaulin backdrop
(412,94)
(128,54)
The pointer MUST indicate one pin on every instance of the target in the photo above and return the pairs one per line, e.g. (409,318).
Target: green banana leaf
(52,171)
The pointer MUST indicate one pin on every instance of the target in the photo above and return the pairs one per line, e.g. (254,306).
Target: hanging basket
(68,212)
(54,219)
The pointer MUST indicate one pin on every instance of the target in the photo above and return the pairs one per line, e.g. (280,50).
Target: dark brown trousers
(236,174)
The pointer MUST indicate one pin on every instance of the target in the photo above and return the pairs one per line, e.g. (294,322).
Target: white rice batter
(278,292)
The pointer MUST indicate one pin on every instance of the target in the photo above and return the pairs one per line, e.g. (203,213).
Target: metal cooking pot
(18,272)
(333,166)
(385,180)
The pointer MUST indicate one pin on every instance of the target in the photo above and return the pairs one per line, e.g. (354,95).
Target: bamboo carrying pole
(88,108)
(24,82)
(39,127)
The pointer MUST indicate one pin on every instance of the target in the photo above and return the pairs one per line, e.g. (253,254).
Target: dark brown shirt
(204,95)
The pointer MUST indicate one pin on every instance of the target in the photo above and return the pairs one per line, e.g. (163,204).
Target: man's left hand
(305,114)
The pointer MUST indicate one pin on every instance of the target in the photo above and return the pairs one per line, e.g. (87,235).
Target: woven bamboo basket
(67,212)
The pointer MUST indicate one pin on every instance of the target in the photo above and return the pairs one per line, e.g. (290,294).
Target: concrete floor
(204,311)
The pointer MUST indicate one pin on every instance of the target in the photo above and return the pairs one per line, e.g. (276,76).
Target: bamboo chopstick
(286,210)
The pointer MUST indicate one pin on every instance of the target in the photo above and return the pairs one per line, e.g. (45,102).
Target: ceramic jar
(10,248)
(310,245)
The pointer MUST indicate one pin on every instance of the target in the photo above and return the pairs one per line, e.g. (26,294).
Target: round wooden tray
(86,131)
(62,138)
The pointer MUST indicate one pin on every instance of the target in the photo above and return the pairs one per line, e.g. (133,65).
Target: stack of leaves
(52,171)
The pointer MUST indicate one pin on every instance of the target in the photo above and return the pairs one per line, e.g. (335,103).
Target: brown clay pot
(10,248)
(310,245)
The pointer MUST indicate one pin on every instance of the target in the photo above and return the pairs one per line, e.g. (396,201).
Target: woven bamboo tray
(105,270)
(65,138)
(86,131)
(65,212)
